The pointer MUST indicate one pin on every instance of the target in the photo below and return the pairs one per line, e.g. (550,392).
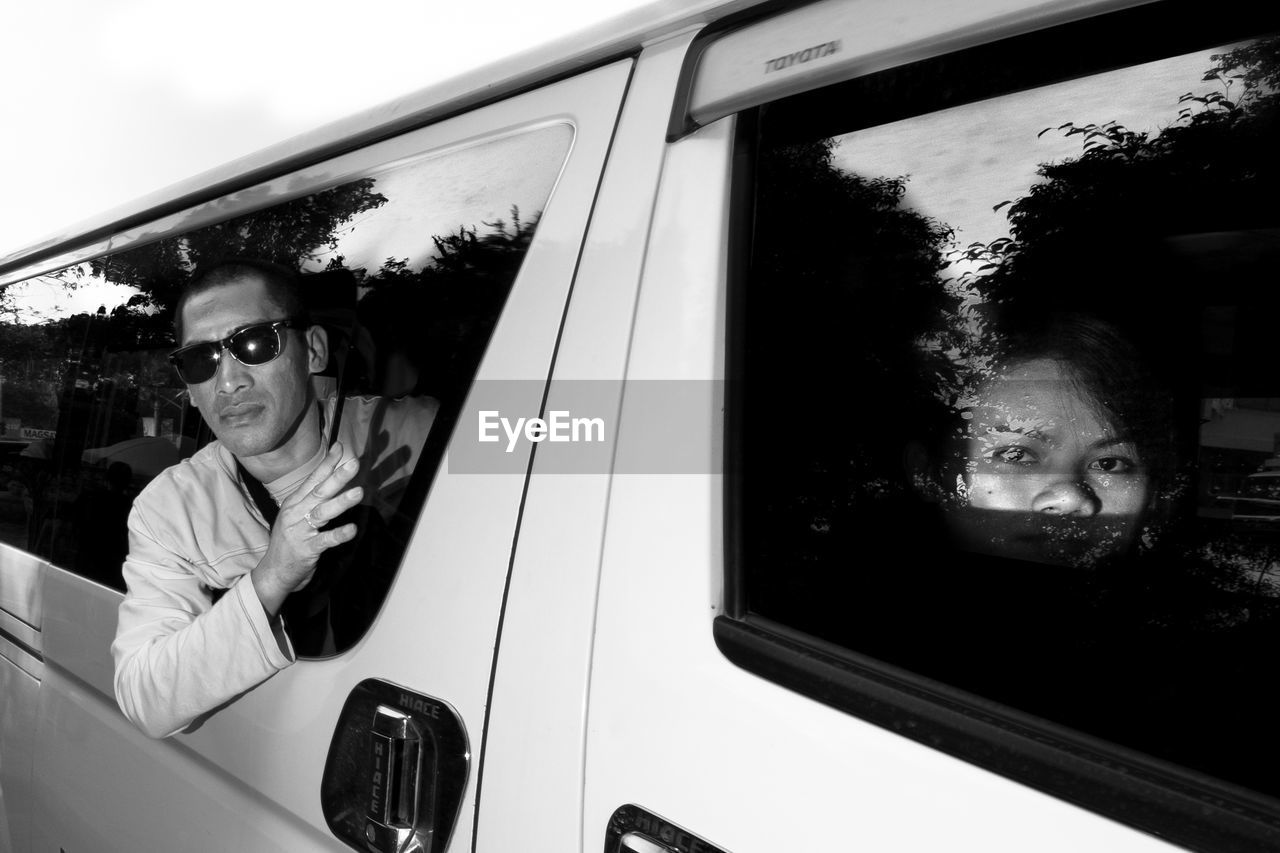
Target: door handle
(396,771)
(395,774)
(632,829)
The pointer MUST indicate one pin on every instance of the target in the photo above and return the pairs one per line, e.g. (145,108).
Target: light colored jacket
(193,530)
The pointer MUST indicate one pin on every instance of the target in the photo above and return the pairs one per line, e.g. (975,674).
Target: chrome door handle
(396,771)
(633,829)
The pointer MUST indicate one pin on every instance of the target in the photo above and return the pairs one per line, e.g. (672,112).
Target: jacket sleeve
(178,654)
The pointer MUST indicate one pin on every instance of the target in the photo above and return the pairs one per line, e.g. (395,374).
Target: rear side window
(408,266)
(1008,428)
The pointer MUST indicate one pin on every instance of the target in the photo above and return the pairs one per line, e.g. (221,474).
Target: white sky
(965,160)
(107,101)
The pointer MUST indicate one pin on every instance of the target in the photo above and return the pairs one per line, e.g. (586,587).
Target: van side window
(90,412)
(408,267)
(1024,316)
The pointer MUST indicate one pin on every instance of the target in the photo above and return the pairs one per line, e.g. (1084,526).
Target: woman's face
(1046,476)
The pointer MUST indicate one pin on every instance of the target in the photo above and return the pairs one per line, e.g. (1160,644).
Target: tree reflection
(1165,221)
(91,381)
(906,396)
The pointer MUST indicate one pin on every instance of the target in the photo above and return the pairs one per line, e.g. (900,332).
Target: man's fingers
(336,480)
(337,536)
(326,510)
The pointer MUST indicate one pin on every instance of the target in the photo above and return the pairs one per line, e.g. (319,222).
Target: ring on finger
(311,522)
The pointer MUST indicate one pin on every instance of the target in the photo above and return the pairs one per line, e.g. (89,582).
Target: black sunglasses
(251,345)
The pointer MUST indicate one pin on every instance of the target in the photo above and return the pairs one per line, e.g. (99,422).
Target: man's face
(252,410)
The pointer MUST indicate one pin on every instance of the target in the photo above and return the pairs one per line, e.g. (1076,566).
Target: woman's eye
(1113,465)
(1013,455)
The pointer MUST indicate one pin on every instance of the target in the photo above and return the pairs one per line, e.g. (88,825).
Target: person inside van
(254,513)
(1057,449)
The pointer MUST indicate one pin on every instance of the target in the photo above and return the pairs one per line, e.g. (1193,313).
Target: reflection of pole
(181,401)
(67,420)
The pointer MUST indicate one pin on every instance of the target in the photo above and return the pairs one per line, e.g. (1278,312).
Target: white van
(866,339)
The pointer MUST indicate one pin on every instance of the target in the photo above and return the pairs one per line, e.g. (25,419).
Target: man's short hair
(283,286)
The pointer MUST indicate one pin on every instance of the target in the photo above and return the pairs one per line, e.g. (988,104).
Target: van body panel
(447,598)
(20,594)
(21,659)
(668,731)
(19,631)
(534,749)
(103,785)
(80,624)
(20,674)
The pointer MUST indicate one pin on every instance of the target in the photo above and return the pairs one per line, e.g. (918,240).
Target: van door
(533,784)
(509,185)
(904,264)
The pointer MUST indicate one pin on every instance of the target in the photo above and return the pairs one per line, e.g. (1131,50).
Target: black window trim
(1166,800)
(1157,797)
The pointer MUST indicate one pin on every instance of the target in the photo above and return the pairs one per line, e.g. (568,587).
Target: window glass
(407,267)
(1011,413)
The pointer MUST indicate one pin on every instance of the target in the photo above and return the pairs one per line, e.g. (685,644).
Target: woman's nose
(1067,497)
